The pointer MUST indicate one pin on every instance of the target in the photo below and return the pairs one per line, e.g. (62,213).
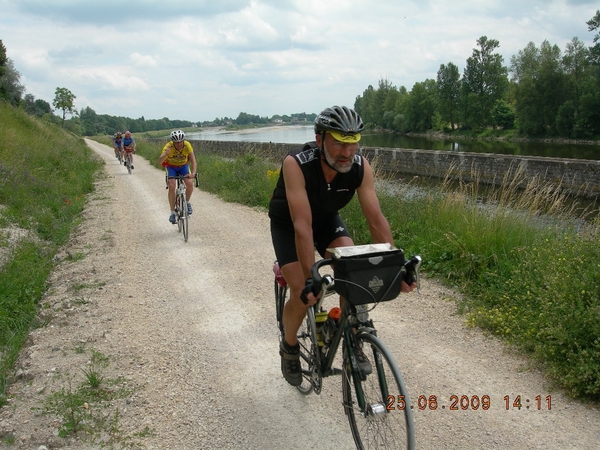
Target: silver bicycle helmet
(177,136)
(339,119)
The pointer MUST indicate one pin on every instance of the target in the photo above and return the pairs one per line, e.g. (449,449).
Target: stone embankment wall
(577,177)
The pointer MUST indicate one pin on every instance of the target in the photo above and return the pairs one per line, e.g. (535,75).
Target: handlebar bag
(369,278)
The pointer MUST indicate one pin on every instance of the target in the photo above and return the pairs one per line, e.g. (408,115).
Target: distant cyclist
(117,138)
(176,157)
(128,146)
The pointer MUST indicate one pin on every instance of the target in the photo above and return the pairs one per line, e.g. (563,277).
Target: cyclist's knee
(292,272)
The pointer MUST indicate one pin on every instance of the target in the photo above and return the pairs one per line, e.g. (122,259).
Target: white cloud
(200,59)
(142,60)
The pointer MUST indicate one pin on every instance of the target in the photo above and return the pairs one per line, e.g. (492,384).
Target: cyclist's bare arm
(369,203)
(192,163)
(295,191)
(378,224)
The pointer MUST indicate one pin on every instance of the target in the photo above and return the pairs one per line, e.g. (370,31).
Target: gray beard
(334,164)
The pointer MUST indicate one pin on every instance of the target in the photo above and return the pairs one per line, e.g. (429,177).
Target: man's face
(338,154)
(178,145)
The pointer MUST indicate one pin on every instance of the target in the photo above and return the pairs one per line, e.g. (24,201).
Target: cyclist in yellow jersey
(176,157)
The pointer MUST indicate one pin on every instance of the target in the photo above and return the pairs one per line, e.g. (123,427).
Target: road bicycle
(181,204)
(376,403)
(119,156)
(128,162)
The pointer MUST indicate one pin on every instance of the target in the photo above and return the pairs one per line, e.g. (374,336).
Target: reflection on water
(291,134)
(299,134)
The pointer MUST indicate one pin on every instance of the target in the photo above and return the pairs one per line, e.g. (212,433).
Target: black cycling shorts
(324,233)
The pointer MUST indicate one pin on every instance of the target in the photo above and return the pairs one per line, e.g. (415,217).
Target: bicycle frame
(181,204)
(343,331)
(366,392)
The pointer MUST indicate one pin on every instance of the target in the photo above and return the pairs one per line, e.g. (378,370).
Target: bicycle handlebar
(181,177)
(317,283)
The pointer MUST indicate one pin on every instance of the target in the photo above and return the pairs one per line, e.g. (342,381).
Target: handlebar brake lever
(412,267)
(316,283)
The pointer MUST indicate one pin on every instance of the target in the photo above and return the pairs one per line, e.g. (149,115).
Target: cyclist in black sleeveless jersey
(315,182)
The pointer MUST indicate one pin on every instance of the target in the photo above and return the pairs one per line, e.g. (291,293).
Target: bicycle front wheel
(184,220)
(377,405)
(179,211)
(310,360)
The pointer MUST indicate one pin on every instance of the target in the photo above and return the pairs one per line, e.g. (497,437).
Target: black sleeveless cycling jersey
(325,199)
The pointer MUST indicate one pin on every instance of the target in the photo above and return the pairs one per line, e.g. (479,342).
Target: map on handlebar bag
(358,250)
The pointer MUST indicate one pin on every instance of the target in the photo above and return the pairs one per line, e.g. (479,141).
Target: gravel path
(189,330)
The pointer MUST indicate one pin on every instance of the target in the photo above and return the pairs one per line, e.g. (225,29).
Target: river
(296,134)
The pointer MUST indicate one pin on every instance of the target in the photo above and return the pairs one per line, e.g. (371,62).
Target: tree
(503,115)
(381,104)
(448,84)
(91,123)
(544,86)
(3,58)
(35,107)
(10,87)
(552,84)
(420,107)
(365,106)
(485,80)
(63,100)
(593,25)
(525,67)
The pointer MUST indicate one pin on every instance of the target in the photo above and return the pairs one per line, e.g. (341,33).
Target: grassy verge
(45,176)
(530,271)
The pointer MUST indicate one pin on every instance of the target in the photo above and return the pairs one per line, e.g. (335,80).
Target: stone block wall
(578,177)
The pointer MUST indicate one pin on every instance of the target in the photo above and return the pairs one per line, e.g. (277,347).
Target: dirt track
(191,328)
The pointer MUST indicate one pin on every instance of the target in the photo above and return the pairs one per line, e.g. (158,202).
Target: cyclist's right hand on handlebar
(309,288)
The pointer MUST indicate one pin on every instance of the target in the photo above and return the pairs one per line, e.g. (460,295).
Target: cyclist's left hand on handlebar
(407,287)
(411,275)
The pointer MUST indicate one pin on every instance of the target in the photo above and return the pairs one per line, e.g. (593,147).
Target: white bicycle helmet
(177,136)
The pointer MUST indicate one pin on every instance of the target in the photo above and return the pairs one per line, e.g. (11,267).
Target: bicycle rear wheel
(310,360)
(377,406)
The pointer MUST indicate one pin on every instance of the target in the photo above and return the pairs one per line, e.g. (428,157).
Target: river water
(298,134)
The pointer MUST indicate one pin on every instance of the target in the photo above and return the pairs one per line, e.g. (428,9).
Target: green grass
(528,274)
(88,407)
(45,177)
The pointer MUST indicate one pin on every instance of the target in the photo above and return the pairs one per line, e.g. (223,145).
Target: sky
(199,60)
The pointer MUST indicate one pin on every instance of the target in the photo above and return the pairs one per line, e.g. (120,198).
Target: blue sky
(198,60)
